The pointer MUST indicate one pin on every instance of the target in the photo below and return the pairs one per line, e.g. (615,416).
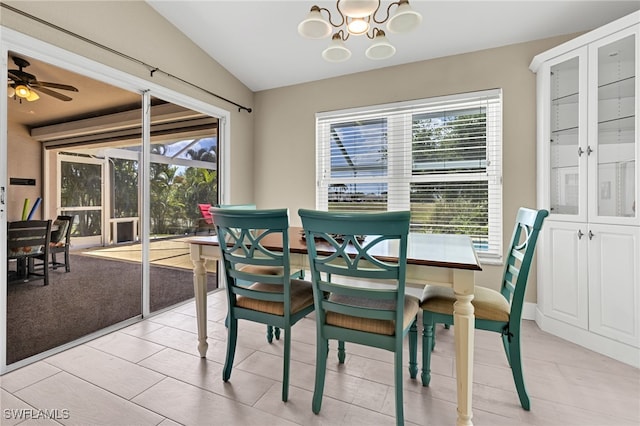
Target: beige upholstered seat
(387,327)
(301,297)
(488,304)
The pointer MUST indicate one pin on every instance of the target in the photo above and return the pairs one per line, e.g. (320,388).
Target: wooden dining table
(437,259)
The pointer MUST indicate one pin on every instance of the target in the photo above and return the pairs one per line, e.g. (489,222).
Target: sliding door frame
(11,40)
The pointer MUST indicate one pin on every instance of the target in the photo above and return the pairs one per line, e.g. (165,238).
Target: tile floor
(150,374)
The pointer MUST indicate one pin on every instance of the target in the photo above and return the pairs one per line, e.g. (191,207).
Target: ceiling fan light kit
(24,85)
(358,17)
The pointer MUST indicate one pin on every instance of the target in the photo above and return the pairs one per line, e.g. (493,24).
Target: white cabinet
(614,276)
(588,106)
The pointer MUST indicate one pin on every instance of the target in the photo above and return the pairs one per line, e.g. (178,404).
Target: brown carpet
(96,293)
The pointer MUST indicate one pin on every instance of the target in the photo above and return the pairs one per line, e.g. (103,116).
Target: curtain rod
(151,68)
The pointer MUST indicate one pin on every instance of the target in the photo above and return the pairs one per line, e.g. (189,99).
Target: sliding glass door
(134,203)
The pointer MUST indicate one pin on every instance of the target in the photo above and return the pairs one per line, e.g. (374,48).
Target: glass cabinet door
(615,163)
(564,135)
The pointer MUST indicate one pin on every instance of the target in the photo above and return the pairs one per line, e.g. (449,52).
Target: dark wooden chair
(28,242)
(61,241)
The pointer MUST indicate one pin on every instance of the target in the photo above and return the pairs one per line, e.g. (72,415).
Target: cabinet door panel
(614,282)
(613,96)
(565,147)
(565,273)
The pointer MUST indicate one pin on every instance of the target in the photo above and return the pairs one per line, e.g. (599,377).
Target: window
(438,157)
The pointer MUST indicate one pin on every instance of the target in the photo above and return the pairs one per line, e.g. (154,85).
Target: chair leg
(54,262)
(285,367)
(399,387)
(232,337)
(322,347)
(427,347)
(341,352)
(67,266)
(505,344)
(45,271)
(413,350)
(516,370)
(272,331)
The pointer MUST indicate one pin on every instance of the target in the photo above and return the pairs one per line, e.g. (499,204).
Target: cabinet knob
(591,235)
(580,234)
(580,151)
(589,150)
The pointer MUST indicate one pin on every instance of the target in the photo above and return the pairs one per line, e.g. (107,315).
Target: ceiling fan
(26,86)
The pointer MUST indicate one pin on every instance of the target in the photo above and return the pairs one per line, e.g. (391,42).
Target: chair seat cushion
(25,251)
(488,304)
(301,297)
(386,327)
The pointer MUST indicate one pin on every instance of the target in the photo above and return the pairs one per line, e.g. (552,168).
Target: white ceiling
(257,41)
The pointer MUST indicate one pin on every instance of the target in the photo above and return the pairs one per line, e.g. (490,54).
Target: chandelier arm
(397,3)
(343,20)
(344,35)
(374,33)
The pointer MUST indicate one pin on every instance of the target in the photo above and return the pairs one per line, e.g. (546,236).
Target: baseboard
(613,349)
(529,311)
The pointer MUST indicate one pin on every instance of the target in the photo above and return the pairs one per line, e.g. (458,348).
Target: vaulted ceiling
(257,41)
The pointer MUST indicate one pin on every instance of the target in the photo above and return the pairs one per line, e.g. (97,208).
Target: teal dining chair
(254,292)
(497,311)
(271,331)
(360,298)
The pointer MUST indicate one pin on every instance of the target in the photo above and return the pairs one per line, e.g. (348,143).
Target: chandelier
(358,17)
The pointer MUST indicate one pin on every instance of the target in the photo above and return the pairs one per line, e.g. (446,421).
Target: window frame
(399,152)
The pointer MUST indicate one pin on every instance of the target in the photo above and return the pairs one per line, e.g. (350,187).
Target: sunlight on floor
(166,252)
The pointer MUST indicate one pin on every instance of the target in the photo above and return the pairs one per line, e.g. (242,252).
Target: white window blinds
(438,157)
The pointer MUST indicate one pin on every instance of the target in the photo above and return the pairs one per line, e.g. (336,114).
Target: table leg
(200,291)
(464,329)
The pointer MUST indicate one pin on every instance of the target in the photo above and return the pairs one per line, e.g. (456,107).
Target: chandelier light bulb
(10,91)
(358,26)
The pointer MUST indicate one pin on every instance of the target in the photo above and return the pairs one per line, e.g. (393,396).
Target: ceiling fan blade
(54,94)
(14,75)
(54,86)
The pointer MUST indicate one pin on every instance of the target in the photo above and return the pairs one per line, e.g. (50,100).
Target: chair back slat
(520,255)
(243,233)
(28,236)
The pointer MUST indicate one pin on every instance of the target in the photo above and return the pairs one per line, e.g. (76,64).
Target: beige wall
(135,29)
(26,162)
(285,124)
